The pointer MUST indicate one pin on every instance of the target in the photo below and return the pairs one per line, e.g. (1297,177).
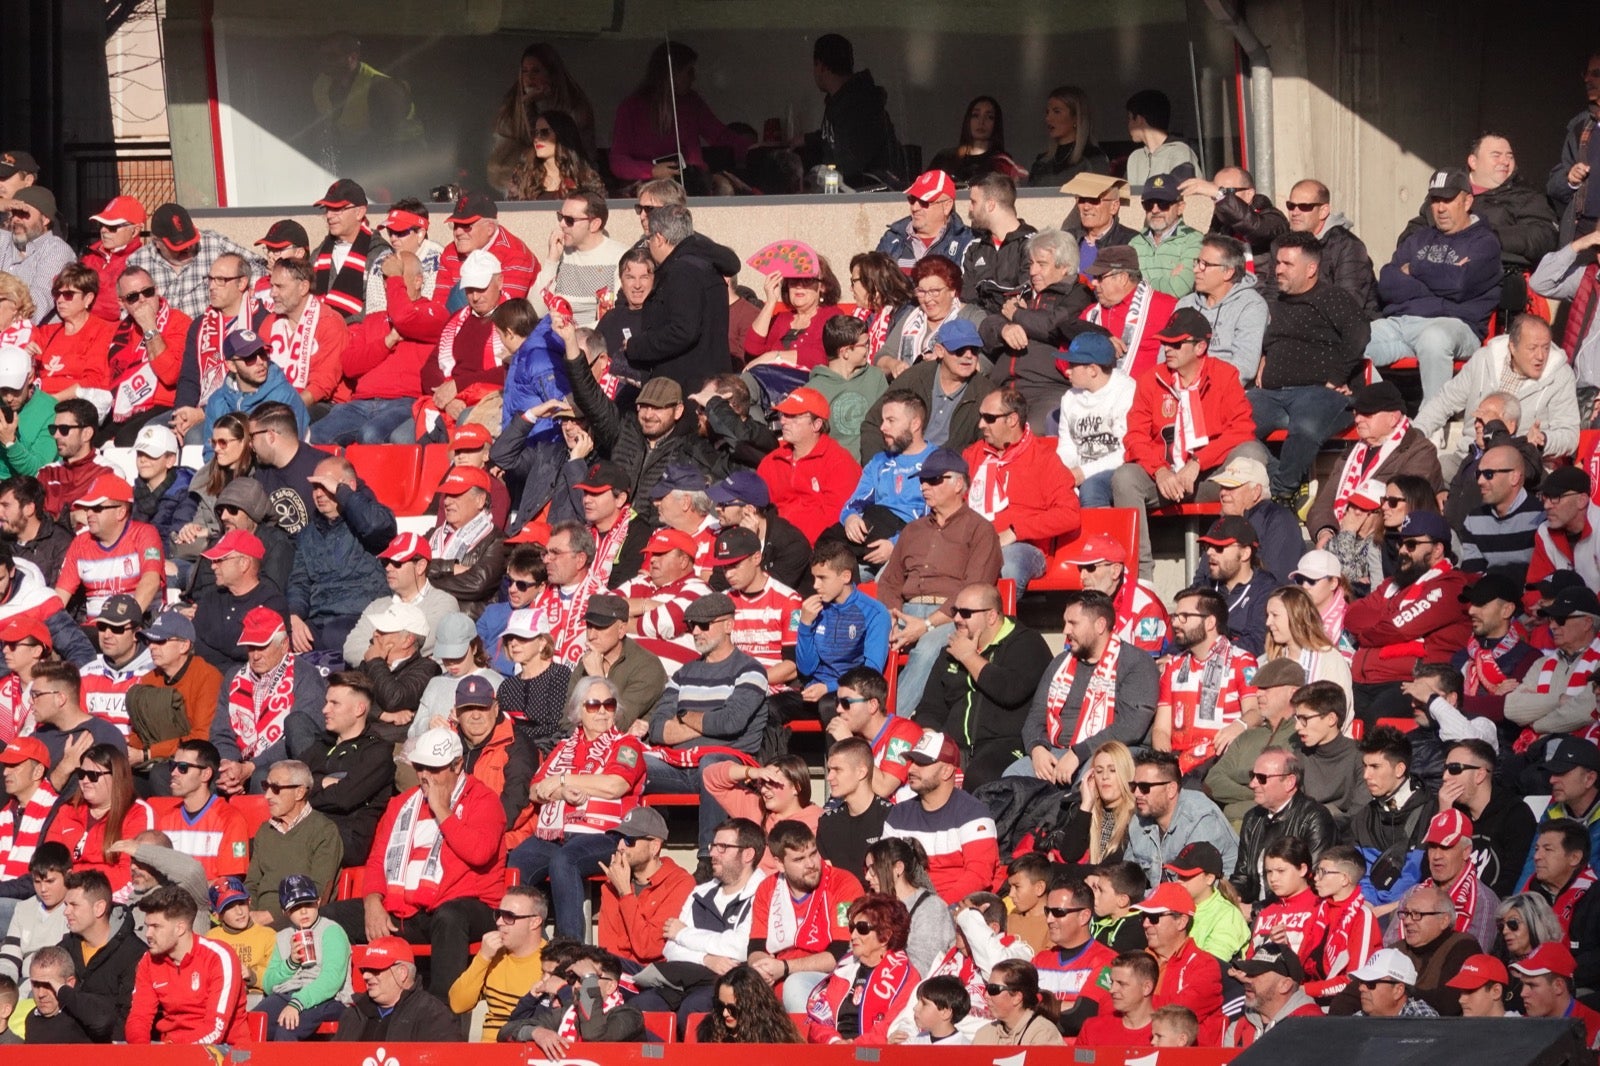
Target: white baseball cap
(155,441)
(524,623)
(1387,964)
(16,367)
(435,748)
(401,618)
(478,269)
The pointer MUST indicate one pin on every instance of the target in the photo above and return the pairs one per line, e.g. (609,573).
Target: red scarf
(596,812)
(413,863)
(293,348)
(1099,698)
(1464,894)
(133,380)
(1578,680)
(990,492)
(16,709)
(877,326)
(1483,667)
(568,1030)
(1567,900)
(208,342)
(259,707)
(1357,469)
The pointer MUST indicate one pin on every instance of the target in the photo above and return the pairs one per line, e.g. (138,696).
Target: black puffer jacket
(1004,268)
(104,992)
(419,1017)
(1304,817)
(685,333)
(1050,319)
(1347,263)
(1257,223)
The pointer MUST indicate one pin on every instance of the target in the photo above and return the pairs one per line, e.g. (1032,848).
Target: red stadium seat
(350,883)
(1404,725)
(256,1022)
(691,1027)
(1121,524)
(434,463)
(1587,458)
(663,1023)
(391,471)
(253,809)
(671,801)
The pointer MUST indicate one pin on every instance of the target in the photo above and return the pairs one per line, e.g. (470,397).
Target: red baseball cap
(398,221)
(531,533)
(1448,828)
(470,437)
(385,952)
(932,185)
(260,627)
(237,541)
(463,478)
(107,488)
(1097,548)
(1478,971)
(405,547)
(26,627)
(804,401)
(1168,898)
(22,749)
(122,211)
(1551,957)
(666,540)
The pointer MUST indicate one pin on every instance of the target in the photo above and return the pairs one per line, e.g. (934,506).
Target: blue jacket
(890,480)
(844,636)
(491,623)
(1590,821)
(336,568)
(1452,275)
(952,243)
(536,374)
(228,398)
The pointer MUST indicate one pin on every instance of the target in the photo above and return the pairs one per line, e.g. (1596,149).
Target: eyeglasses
(223,279)
(928,294)
(1185,614)
(607,704)
(1292,205)
(1206,264)
(147,293)
(1417,916)
(965,613)
(1552,499)
(107,627)
(1411,544)
(572,220)
(521,585)
(1461,767)
(1326,871)
(93,776)
(1309,718)
(68,294)
(1394,501)
(62,428)
(993,989)
(1261,779)
(183,767)
(48,692)
(718,846)
(276,789)
(1488,474)
(501,915)
(862,928)
(1062,912)
(1144,787)
(557,551)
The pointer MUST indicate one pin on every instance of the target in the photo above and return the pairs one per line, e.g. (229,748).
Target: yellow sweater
(500,983)
(254,948)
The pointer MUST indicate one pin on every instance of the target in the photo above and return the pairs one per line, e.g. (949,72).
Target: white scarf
(293,349)
(916,332)
(135,389)
(1352,477)
(454,544)
(1133,325)
(213,368)
(1099,697)
(412,837)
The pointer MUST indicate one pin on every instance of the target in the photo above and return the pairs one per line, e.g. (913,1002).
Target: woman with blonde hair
(543,83)
(1071,149)
(1097,828)
(1294,631)
(16,312)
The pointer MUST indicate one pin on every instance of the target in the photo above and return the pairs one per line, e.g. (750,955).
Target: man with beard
(887,496)
(1207,698)
(36,253)
(1100,688)
(1498,656)
(797,929)
(1502,824)
(1415,615)
(1233,567)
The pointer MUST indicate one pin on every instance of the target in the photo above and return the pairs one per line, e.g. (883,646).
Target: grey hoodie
(1238,322)
(1195,818)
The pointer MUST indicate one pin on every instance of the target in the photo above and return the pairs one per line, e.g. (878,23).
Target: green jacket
(34,447)
(1229,780)
(1219,927)
(1169,266)
(849,400)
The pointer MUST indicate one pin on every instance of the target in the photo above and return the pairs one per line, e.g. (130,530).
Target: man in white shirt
(583,258)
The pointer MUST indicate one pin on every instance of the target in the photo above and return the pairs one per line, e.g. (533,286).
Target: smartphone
(672,158)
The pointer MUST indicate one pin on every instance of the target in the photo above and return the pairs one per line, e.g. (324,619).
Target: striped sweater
(1504,544)
(732,694)
(22,827)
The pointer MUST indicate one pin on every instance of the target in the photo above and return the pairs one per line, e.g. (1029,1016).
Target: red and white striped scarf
(958,964)
(568,1030)
(1133,326)
(990,492)
(413,862)
(1099,697)
(1578,680)
(1357,469)
(21,830)
(259,707)
(134,381)
(293,347)
(563,618)
(454,544)
(1567,900)
(18,334)
(602,813)
(1464,894)
(1483,667)
(877,326)
(208,343)
(16,709)
(608,545)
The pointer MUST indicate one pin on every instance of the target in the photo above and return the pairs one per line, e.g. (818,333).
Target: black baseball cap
(285,233)
(473,206)
(1491,587)
(346,192)
(1186,324)
(1377,397)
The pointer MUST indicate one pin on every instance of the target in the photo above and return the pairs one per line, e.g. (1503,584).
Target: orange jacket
(630,926)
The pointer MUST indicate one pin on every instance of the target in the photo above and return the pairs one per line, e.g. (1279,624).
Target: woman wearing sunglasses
(1022,1016)
(745,1010)
(103,812)
(1526,920)
(1366,544)
(74,351)
(582,791)
(873,984)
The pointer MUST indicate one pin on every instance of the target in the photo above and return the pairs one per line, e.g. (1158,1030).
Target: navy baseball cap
(474,690)
(170,625)
(679,477)
(296,890)
(1426,524)
(242,342)
(741,486)
(942,461)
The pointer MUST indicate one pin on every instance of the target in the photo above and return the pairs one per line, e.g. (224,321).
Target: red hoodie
(1023,488)
(109,266)
(1224,414)
(472,858)
(811,491)
(375,371)
(1394,628)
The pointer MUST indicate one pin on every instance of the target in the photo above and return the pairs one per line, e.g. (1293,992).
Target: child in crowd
(230,906)
(40,921)
(1027,884)
(8,1004)
(941,1004)
(308,978)
(1174,1026)
(1117,886)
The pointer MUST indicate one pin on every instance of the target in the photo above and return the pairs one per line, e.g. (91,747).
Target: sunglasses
(501,915)
(99,507)
(993,989)
(1144,787)
(93,776)
(1370,985)
(607,704)
(13,644)
(965,613)
(1411,544)
(396,234)
(521,585)
(250,360)
(1292,205)
(107,627)
(697,627)
(1261,779)
(571,220)
(183,767)
(862,928)
(851,701)
(1306,582)
(731,1010)
(1394,501)
(1513,924)
(914,202)
(1488,474)
(62,428)
(224,442)
(395,564)
(1089,568)
(645,211)
(278,790)
(1062,912)
(1461,767)
(147,293)
(989,419)
(68,294)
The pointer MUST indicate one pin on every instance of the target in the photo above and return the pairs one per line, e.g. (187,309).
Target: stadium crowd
(280,763)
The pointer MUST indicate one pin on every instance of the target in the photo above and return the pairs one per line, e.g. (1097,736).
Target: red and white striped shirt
(765,623)
(105,687)
(1141,616)
(1194,726)
(665,622)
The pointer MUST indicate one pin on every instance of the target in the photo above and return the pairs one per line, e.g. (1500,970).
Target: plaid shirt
(187,290)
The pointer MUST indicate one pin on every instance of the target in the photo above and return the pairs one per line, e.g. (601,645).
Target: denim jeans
(663,778)
(797,990)
(919,666)
(1312,414)
(1436,342)
(366,422)
(1021,563)
(567,864)
(1096,490)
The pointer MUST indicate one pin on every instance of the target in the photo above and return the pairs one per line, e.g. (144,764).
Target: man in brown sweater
(196,682)
(935,557)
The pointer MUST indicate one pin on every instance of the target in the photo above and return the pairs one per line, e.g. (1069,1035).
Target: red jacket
(630,926)
(1224,408)
(109,267)
(198,999)
(1193,979)
(807,346)
(518,268)
(373,370)
(810,492)
(86,839)
(893,984)
(1025,489)
(127,354)
(473,856)
(1394,628)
